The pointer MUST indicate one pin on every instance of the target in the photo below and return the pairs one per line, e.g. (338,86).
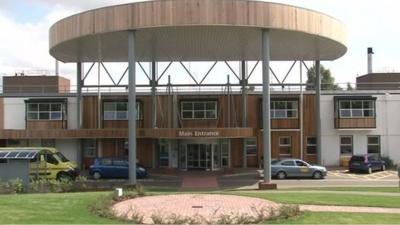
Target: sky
(370,23)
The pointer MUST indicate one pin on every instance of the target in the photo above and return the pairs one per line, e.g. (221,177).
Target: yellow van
(48,163)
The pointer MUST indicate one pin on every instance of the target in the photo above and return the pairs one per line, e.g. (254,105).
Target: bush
(40,186)
(16,185)
(389,162)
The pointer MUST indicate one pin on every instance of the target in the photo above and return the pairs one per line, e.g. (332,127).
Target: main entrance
(190,154)
(199,156)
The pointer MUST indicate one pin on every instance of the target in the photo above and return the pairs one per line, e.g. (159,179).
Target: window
(120,162)
(119,111)
(106,162)
(251,147)
(45,111)
(199,110)
(284,109)
(346,145)
(374,145)
(301,163)
(89,148)
(163,154)
(285,146)
(288,163)
(311,145)
(50,159)
(50,143)
(357,108)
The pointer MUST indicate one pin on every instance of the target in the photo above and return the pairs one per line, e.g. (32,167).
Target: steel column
(266,106)
(318,109)
(243,73)
(153,94)
(79,71)
(132,107)
(301,114)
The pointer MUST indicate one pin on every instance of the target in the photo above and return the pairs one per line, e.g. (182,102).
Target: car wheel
(96,175)
(369,170)
(383,168)
(281,175)
(317,175)
(63,176)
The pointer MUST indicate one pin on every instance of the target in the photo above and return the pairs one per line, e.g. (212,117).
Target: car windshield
(61,157)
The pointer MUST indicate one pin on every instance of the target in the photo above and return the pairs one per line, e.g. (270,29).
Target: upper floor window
(45,111)
(357,108)
(119,111)
(284,109)
(199,109)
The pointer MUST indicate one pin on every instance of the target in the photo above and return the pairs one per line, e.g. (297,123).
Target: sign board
(198,133)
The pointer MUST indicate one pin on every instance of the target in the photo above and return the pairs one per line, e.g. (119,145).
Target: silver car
(284,168)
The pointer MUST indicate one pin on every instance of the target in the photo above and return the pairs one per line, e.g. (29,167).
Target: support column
(132,107)
(301,113)
(79,71)
(318,110)
(243,72)
(266,112)
(153,84)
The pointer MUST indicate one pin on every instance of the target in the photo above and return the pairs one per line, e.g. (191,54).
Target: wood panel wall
(349,123)
(46,124)
(90,112)
(1,113)
(194,12)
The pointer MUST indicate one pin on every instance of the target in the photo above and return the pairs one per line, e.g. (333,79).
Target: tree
(349,87)
(327,81)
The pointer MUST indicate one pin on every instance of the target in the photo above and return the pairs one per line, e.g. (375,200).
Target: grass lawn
(72,208)
(325,199)
(50,209)
(341,218)
(359,189)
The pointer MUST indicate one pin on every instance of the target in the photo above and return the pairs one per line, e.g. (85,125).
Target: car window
(357,159)
(50,159)
(105,162)
(119,162)
(274,162)
(287,163)
(300,163)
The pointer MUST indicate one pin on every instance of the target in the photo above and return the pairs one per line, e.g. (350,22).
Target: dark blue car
(366,163)
(114,168)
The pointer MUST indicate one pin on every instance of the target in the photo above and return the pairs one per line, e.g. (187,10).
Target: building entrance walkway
(199,182)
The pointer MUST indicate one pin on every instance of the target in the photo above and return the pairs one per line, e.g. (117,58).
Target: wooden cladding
(285,123)
(351,123)
(174,13)
(46,124)
(123,133)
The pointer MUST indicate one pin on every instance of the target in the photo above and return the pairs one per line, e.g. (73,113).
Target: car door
(105,167)
(120,168)
(289,167)
(302,169)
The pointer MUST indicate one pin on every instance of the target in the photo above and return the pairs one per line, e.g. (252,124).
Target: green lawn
(358,189)
(50,209)
(341,218)
(325,199)
(73,207)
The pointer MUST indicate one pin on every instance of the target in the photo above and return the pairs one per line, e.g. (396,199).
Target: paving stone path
(211,207)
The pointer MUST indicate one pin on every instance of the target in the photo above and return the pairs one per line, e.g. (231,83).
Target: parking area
(376,176)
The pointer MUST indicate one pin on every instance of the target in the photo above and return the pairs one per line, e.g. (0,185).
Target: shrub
(16,185)
(40,186)
(389,162)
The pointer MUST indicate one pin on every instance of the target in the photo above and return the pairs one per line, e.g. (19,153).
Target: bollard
(118,193)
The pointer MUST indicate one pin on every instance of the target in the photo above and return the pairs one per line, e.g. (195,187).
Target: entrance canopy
(197,30)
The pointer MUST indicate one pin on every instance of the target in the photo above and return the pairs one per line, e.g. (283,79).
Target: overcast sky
(371,23)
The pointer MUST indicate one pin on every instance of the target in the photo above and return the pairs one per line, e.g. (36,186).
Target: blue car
(114,168)
(366,163)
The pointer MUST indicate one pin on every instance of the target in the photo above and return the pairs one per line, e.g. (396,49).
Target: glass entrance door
(199,156)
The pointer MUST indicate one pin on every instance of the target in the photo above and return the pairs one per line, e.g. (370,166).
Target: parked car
(48,163)
(366,163)
(114,168)
(284,168)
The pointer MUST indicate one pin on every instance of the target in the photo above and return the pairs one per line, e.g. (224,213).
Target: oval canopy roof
(197,30)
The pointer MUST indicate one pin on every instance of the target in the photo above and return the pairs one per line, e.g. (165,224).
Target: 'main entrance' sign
(198,133)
